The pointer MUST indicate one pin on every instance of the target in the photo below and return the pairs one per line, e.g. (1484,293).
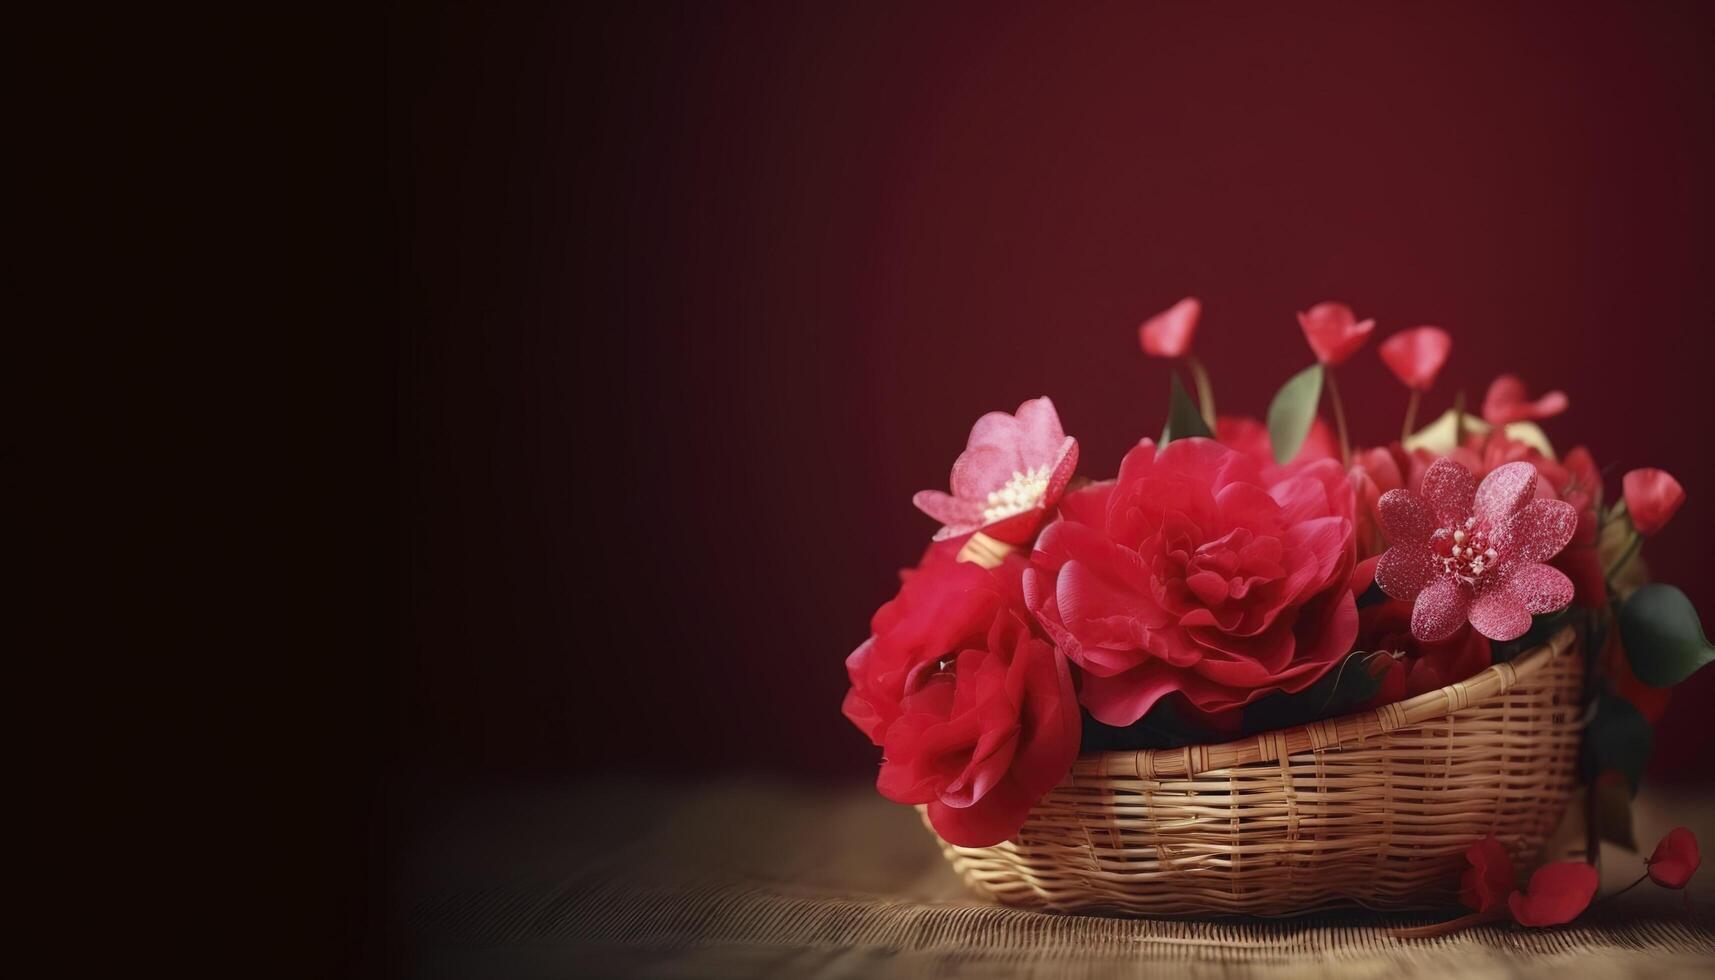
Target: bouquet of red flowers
(1238,576)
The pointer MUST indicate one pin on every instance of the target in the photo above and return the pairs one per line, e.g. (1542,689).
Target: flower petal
(1652,498)
(1499,616)
(1539,589)
(1168,333)
(1489,879)
(1449,489)
(1403,572)
(1557,893)
(1675,859)
(1503,492)
(1539,531)
(1440,610)
(1415,356)
(1405,517)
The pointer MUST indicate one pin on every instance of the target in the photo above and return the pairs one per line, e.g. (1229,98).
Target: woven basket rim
(1330,733)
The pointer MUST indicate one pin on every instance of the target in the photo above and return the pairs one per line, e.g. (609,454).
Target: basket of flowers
(1262,671)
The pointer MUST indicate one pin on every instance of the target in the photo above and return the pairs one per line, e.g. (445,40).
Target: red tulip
(1506,402)
(1489,880)
(1334,331)
(1415,356)
(1557,893)
(1652,497)
(1675,859)
(1168,333)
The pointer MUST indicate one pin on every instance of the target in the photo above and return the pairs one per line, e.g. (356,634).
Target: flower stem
(1453,925)
(1410,415)
(1626,556)
(1459,420)
(1339,417)
(1609,898)
(1205,391)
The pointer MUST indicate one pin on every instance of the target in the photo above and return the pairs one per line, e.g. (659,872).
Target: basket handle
(1331,733)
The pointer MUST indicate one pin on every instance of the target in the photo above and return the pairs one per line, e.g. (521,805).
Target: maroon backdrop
(696,298)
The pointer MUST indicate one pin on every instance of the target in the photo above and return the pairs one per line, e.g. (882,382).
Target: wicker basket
(1374,809)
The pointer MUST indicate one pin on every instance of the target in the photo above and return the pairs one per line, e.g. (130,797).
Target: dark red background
(695,298)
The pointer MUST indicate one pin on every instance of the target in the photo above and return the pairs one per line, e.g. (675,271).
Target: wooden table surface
(761,877)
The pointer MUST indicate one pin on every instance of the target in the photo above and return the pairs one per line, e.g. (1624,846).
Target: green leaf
(1613,810)
(1292,412)
(1663,637)
(1618,738)
(1183,418)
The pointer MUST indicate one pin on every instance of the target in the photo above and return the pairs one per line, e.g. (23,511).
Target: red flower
(1195,572)
(1374,472)
(1489,880)
(1652,498)
(1557,893)
(1010,476)
(1415,356)
(1465,552)
(1168,333)
(1675,859)
(975,713)
(1417,666)
(1249,436)
(1506,402)
(1334,332)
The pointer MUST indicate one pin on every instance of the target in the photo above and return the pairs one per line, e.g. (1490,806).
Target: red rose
(1416,666)
(975,713)
(1193,572)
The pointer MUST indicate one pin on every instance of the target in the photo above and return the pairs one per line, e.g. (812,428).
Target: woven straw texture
(1374,809)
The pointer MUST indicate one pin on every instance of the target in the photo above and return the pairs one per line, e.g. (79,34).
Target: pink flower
(1197,573)
(1334,332)
(1466,552)
(1506,402)
(1652,498)
(1013,471)
(1415,356)
(1168,333)
(1675,859)
(1557,894)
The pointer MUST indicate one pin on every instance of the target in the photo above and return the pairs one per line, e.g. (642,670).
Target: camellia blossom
(1489,880)
(1557,894)
(975,712)
(1169,333)
(1506,402)
(1334,332)
(1652,498)
(1675,859)
(1466,552)
(1415,356)
(1195,573)
(1013,471)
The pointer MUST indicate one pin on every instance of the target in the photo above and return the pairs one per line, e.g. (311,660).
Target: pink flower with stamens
(1468,552)
(1013,471)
